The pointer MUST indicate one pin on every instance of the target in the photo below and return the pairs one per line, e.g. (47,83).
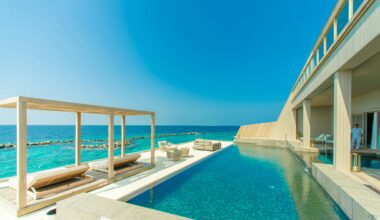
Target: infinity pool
(243,182)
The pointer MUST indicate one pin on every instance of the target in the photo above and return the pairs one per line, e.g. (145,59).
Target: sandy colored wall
(263,130)
(321,121)
(286,123)
(366,103)
(283,128)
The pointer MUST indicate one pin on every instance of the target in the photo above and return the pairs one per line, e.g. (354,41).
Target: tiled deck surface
(349,192)
(131,186)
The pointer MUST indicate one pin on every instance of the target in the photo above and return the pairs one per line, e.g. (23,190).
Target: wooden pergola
(22,104)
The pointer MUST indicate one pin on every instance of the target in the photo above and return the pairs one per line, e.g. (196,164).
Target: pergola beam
(21,155)
(53,105)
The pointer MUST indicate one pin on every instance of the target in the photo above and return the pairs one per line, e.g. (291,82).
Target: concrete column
(21,155)
(342,120)
(306,122)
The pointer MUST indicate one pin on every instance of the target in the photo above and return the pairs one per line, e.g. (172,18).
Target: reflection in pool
(243,182)
(366,161)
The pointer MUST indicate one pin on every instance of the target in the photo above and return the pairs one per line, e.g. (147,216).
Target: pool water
(243,182)
(366,162)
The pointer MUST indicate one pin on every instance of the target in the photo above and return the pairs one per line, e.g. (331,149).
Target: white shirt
(356,132)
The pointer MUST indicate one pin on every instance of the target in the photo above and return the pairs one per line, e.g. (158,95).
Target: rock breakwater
(98,143)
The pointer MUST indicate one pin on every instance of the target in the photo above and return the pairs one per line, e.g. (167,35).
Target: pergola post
(21,155)
(111,133)
(342,120)
(152,132)
(122,135)
(306,106)
(78,138)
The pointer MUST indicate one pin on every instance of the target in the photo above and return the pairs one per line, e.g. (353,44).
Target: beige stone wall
(285,127)
(321,121)
(286,123)
(263,130)
(369,102)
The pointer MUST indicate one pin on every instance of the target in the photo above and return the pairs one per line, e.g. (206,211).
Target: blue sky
(195,62)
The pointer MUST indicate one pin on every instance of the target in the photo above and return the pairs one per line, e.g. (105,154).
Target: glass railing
(343,15)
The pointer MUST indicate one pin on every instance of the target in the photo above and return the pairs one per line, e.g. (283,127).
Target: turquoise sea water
(243,182)
(56,155)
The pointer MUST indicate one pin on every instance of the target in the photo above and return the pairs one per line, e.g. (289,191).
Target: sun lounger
(121,164)
(55,181)
(323,140)
(318,140)
(200,144)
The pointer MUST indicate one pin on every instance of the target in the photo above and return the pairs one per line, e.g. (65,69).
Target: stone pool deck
(89,207)
(127,188)
(355,198)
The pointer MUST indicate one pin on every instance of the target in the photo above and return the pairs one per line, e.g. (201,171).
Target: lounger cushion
(47,178)
(199,142)
(202,142)
(129,158)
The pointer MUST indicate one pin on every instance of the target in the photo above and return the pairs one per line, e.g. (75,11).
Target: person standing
(356,136)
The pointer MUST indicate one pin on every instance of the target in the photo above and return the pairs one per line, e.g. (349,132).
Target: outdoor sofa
(208,145)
